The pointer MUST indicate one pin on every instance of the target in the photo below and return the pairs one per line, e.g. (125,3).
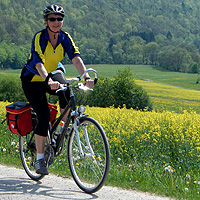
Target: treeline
(157,32)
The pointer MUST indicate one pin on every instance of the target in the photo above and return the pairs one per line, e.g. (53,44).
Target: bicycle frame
(62,135)
(73,114)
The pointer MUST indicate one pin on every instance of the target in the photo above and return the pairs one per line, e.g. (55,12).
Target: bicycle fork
(82,153)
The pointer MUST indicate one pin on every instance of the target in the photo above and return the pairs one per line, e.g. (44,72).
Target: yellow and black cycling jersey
(42,51)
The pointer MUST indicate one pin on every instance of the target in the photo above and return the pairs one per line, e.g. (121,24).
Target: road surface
(16,185)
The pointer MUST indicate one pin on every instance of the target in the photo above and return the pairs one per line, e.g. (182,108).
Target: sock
(40,156)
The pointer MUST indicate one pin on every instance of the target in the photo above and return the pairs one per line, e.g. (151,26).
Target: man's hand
(89,83)
(54,85)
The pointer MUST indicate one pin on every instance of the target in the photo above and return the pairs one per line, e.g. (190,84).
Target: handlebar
(80,85)
(81,77)
(89,70)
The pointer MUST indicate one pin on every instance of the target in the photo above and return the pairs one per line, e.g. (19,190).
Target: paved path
(16,185)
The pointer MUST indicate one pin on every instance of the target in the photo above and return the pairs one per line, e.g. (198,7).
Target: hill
(110,31)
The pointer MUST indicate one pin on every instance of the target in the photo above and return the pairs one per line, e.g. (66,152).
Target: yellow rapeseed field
(172,98)
(160,148)
(3,108)
(166,136)
(168,91)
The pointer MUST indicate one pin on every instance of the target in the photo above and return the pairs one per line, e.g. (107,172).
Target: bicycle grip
(95,80)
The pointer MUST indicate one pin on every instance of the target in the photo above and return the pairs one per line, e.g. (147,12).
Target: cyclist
(48,49)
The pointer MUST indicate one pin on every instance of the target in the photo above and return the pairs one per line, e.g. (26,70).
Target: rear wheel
(28,155)
(89,170)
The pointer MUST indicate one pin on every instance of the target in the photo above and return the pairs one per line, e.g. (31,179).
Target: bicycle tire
(28,155)
(90,172)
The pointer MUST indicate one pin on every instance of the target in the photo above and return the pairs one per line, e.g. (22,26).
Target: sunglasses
(53,19)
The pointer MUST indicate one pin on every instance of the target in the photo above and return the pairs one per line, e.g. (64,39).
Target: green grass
(152,73)
(10,73)
(167,90)
(148,72)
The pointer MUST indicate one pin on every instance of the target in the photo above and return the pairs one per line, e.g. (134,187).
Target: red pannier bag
(19,118)
(53,112)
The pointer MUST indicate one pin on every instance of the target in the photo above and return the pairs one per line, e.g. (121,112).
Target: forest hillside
(157,32)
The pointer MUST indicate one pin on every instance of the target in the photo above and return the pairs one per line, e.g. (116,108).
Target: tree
(169,35)
(150,52)
(91,56)
(175,59)
(117,54)
(127,92)
(20,58)
(194,68)
(3,57)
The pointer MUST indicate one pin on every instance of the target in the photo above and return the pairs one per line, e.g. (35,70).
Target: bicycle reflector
(81,109)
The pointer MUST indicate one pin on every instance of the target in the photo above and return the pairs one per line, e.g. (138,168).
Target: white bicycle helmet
(53,9)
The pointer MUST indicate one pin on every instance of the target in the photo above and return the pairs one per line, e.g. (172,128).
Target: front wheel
(28,152)
(89,169)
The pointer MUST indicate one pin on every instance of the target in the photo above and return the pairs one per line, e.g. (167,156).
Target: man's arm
(54,85)
(42,71)
(78,63)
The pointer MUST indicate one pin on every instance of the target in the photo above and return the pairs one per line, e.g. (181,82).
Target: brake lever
(82,86)
(63,87)
(95,80)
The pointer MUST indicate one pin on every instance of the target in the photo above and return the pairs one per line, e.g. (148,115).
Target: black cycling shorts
(35,92)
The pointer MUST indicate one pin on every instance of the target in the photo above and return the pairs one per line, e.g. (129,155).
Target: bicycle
(88,152)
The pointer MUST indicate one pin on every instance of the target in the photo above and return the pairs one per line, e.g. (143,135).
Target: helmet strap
(53,32)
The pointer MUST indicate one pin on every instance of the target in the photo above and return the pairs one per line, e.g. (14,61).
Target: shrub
(11,90)
(127,92)
(119,91)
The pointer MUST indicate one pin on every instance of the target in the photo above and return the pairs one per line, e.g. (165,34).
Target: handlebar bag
(19,118)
